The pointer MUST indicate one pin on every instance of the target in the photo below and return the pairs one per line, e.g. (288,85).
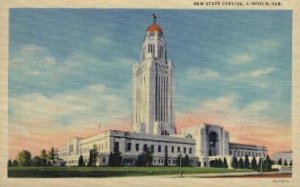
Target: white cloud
(228,111)
(101,40)
(241,58)
(250,75)
(198,74)
(93,103)
(32,60)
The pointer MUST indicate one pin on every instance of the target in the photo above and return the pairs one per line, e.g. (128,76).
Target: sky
(71,70)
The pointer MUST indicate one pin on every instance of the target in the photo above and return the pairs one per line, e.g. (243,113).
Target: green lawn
(109,171)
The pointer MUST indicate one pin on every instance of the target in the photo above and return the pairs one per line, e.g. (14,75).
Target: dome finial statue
(154,18)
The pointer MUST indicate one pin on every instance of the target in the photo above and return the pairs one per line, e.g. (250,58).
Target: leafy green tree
(166,158)
(145,158)
(15,163)
(24,158)
(280,162)
(253,163)
(215,163)
(241,163)
(51,154)
(44,158)
(234,162)
(90,162)
(115,159)
(81,161)
(9,163)
(285,163)
(37,161)
(225,164)
(247,163)
(259,164)
(186,160)
(219,163)
(93,156)
(291,163)
(149,157)
(267,164)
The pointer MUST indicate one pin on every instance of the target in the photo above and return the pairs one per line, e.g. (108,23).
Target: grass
(34,172)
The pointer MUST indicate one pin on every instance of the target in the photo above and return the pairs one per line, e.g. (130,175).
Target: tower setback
(153,86)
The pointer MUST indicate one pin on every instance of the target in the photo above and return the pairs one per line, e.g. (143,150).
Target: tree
(166,158)
(24,158)
(90,162)
(186,160)
(253,163)
(280,162)
(15,163)
(93,156)
(149,157)
(285,163)
(225,165)
(234,162)
(115,159)
(241,163)
(268,164)
(81,161)
(145,158)
(51,155)
(291,163)
(37,161)
(44,158)
(9,163)
(215,163)
(219,163)
(259,164)
(247,163)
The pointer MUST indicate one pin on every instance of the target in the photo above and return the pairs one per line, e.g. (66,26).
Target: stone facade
(153,87)
(153,121)
(283,155)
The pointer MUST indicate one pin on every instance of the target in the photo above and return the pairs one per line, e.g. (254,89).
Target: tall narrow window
(128,146)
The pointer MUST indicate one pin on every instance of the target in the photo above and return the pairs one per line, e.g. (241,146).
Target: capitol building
(153,122)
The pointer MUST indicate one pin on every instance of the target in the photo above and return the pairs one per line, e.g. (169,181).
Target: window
(116,146)
(184,150)
(128,146)
(145,147)
(178,149)
(166,148)
(137,147)
(159,148)
(152,148)
(172,149)
(190,150)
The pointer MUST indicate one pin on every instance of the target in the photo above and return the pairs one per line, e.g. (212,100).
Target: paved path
(236,174)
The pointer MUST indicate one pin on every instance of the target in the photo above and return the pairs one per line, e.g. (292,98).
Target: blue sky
(73,66)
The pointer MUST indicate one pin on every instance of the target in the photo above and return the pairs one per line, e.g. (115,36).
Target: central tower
(153,86)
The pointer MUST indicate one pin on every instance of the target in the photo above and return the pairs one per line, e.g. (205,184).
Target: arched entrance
(212,140)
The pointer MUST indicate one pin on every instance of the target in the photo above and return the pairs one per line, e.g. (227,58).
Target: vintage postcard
(141,94)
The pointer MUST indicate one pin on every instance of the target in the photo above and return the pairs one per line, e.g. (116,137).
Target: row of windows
(161,98)
(151,48)
(159,161)
(244,153)
(152,148)
(99,147)
(160,51)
